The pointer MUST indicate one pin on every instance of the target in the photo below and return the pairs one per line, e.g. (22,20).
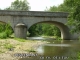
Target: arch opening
(65,34)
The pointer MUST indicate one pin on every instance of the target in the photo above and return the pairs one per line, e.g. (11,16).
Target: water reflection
(57,50)
(40,38)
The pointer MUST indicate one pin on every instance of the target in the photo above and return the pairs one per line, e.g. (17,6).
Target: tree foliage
(19,5)
(74,17)
(53,8)
(5,30)
(44,29)
(61,8)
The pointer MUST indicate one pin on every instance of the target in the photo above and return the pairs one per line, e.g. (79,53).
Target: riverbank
(9,47)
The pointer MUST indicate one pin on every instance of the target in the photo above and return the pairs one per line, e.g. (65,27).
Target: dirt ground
(11,48)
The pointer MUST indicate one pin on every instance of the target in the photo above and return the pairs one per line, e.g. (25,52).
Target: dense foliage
(60,8)
(19,5)
(5,30)
(44,29)
(74,17)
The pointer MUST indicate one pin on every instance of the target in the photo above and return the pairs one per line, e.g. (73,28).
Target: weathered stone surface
(34,13)
(20,30)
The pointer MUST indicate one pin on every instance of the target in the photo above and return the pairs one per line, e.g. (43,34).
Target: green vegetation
(60,8)
(5,30)
(24,40)
(8,46)
(19,5)
(78,54)
(44,29)
(19,39)
(74,17)
(1,51)
(31,50)
(58,38)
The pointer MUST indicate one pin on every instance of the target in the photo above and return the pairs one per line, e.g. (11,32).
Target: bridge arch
(65,34)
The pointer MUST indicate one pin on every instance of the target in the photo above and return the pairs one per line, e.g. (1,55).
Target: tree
(36,30)
(44,29)
(5,30)
(74,17)
(53,8)
(19,5)
(61,8)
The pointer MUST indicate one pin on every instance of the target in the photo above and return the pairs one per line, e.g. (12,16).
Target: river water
(57,50)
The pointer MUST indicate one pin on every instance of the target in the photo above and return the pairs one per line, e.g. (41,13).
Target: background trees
(74,17)
(61,8)
(44,29)
(19,5)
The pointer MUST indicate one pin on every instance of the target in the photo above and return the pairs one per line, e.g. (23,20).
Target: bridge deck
(34,13)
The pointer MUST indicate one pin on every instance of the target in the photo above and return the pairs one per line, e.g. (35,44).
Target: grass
(31,50)
(3,35)
(24,40)
(1,51)
(20,40)
(8,46)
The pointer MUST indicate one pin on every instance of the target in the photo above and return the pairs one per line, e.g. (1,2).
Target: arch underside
(65,34)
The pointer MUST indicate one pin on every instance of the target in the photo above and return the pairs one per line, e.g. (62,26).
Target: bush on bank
(5,30)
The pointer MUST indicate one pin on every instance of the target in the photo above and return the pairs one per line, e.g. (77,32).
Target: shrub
(58,38)
(3,35)
(6,31)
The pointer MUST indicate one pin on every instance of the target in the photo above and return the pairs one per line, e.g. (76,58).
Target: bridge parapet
(34,13)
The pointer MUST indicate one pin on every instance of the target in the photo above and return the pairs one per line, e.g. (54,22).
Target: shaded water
(57,50)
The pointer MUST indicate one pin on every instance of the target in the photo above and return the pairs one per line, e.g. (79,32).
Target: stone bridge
(21,21)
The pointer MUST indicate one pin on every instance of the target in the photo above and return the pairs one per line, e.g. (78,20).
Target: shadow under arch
(65,32)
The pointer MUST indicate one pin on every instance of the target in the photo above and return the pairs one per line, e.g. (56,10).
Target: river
(57,50)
